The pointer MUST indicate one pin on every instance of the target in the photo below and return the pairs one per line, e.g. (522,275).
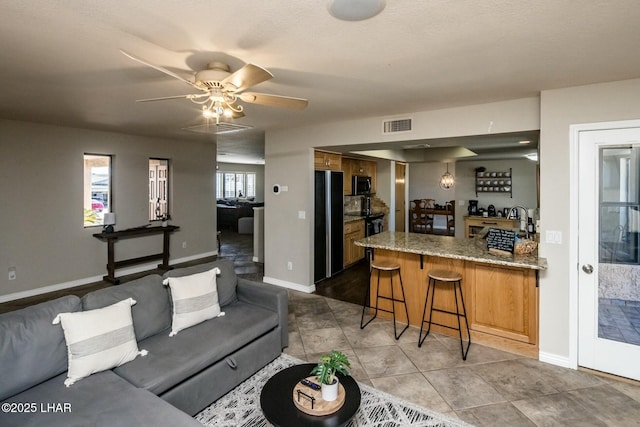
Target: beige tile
(462,389)
(295,346)
(514,379)
(413,388)
(311,321)
(431,356)
(384,361)
(562,378)
(559,409)
(631,390)
(500,414)
(609,405)
(373,335)
(324,340)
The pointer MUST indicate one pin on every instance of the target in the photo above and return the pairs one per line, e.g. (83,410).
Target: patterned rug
(241,406)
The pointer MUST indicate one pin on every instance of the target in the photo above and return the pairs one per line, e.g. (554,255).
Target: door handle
(587,268)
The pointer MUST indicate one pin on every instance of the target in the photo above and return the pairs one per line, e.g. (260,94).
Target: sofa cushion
(32,350)
(226,281)
(194,299)
(101,400)
(98,339)
(152,312)
(173,360)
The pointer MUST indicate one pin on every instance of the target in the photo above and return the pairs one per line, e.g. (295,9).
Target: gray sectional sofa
(180,376)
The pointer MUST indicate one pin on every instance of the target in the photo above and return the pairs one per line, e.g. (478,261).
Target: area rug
(241,406)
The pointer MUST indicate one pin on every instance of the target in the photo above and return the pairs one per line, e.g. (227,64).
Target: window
(620,205)
(158,189)
(97,189)
(230,185)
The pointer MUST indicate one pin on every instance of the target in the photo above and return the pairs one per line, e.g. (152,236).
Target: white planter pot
(330,392)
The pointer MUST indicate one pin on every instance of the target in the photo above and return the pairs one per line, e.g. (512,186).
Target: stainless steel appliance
(366,206)
(373,224)
(360,185)
(328,224)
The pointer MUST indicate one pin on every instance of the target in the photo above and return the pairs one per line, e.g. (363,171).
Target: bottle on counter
(531,228)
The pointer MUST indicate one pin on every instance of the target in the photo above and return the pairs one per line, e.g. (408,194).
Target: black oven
(373,224)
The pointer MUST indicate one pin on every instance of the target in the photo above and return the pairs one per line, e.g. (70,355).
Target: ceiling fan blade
(159,68)
(274,100)
(190,96)
(245,77)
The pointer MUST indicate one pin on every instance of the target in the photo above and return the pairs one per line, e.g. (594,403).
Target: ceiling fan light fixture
(355,10)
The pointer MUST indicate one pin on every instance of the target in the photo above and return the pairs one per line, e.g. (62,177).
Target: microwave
(360,185)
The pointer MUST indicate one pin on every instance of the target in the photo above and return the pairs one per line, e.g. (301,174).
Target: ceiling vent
(397,125)
(217,129)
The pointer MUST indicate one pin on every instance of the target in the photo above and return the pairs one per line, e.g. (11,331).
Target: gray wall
(240,167)
(559,110)
(41,182)
(424,182)
(289,161)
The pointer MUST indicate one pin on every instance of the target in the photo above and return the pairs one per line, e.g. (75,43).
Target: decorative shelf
(495,182)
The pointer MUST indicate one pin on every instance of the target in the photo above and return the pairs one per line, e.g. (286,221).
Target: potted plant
(325,371)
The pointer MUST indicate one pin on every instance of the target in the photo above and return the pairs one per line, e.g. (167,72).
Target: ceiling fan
(220,90)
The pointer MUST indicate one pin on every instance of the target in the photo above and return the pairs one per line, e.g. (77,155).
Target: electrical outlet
(12,273)
(184,245)
(289,266)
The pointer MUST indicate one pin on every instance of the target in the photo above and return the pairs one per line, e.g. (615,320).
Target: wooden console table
(112,237)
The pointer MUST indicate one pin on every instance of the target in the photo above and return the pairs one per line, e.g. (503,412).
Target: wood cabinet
(473,224)
(353,230)
(352,167)
(324,160)
(501,301)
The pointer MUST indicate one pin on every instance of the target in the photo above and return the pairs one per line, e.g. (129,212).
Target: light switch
(554,237)
(302,214)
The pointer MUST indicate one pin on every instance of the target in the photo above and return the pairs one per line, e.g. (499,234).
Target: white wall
(559,110)
(41,186)
(240,167)
(289,161)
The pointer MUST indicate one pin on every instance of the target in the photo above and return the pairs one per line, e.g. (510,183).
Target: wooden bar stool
(454,279)
(390,267)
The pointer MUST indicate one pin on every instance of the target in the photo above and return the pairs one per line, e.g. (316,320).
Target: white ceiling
(61,61)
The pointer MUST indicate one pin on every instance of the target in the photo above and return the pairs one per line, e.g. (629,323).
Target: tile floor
(490,388)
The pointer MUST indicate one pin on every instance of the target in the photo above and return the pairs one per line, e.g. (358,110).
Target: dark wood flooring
(349,285)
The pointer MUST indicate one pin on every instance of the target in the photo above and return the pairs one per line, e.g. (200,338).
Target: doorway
(608,276)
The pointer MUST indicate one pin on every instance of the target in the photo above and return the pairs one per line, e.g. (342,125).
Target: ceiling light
(355,10)
(524,142)
(447,181)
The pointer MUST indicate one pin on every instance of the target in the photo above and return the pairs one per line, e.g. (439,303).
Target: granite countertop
(449,247)
(352,217)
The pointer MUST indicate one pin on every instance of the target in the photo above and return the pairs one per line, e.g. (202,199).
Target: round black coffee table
(277,403)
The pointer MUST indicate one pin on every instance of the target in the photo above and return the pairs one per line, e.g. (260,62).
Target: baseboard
(289,285)
(555,359)
(87,280)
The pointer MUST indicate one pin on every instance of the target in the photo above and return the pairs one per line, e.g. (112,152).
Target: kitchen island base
(501,301)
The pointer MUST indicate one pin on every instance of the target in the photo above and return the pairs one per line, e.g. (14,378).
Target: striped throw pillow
(195,299)
(99,339)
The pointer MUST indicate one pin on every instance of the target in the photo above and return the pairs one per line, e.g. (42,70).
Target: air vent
(396,125)
(222,127)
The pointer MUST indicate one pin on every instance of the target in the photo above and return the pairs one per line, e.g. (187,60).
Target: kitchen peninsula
(500,292)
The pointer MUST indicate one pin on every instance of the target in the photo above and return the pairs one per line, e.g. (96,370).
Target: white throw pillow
(195,299)
(99,339)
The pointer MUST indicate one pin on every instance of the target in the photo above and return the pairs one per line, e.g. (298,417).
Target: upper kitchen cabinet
(358,167)
(324,160)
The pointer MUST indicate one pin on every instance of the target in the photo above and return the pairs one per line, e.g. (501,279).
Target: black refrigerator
(328,230)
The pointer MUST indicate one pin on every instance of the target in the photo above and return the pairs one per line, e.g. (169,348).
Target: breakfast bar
(500,291)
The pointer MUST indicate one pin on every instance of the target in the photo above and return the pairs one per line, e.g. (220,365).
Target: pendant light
(447,181)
